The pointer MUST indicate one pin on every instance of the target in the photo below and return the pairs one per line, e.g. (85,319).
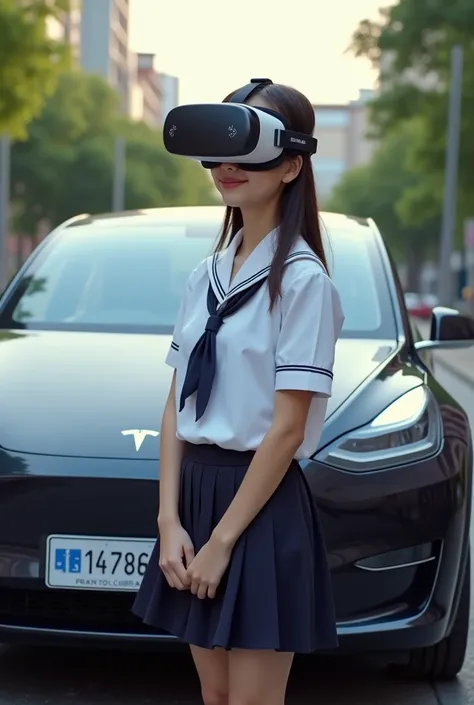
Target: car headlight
(407,430)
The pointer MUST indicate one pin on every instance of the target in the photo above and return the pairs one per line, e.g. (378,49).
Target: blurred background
(85,86)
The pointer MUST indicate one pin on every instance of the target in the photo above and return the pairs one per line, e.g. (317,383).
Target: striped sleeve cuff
(306,378)
(173,354)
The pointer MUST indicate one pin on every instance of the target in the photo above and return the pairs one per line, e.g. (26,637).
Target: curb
(455,371)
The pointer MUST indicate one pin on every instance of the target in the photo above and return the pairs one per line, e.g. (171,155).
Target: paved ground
(63,677)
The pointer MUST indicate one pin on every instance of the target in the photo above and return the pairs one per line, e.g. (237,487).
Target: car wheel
(444,660)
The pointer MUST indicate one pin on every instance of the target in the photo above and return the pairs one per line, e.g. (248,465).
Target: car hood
(78,394)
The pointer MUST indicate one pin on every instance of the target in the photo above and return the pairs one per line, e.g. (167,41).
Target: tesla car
(84,329)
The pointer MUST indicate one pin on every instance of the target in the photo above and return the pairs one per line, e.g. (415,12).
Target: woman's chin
(233,200)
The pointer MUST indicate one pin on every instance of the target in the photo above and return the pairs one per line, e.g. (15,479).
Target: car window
(352,270)
(117,280)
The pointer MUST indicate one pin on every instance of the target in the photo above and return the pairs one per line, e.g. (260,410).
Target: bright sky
(215,46)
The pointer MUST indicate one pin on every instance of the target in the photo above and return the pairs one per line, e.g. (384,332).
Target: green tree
(411,43)
(66,166)
(377,190)
(30,61)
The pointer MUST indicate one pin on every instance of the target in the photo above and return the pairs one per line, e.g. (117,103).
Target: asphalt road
(63,677)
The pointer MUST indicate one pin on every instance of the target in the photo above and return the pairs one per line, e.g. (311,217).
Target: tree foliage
(66,165)
(378,189)
(30,61)
(411,44)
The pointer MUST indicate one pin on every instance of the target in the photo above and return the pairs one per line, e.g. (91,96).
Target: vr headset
(256,139)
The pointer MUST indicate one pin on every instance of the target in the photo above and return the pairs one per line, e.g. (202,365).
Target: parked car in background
(420,305)
(84,330)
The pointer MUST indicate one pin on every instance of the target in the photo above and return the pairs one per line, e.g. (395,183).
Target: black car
(84,330)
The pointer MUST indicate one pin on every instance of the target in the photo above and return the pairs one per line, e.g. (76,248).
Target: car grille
(67,609)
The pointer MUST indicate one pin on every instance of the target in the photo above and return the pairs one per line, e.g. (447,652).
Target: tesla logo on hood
(139,435)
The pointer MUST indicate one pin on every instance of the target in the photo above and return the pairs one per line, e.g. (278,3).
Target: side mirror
(449,329)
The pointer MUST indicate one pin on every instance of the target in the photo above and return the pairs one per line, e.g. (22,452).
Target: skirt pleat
(276,593)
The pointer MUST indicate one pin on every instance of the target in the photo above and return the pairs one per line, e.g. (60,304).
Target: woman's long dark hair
(298,208)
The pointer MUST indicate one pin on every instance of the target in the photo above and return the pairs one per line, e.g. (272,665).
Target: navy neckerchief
(202,361)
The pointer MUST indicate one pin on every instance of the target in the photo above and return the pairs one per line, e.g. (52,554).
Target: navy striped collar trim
(215,276)
(241,286)
(299,254)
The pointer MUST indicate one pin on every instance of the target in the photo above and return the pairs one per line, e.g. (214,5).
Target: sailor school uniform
(231,354)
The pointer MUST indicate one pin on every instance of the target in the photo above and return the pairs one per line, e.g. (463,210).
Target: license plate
(96,562)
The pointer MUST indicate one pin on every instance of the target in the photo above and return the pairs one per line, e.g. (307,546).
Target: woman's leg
(212,666)
(258,677)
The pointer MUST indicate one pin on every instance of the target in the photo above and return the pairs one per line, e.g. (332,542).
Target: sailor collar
(256,266)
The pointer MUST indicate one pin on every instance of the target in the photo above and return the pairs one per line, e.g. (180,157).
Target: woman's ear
(294,165)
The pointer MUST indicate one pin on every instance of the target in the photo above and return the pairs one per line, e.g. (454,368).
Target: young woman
(240,570)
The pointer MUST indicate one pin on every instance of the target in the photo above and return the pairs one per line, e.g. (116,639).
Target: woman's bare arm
(269,465)
(176,548)
(171,453)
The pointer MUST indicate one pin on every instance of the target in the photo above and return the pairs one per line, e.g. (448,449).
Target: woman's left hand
(207,568)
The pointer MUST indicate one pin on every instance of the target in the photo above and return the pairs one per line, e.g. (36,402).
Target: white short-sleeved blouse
(258,351)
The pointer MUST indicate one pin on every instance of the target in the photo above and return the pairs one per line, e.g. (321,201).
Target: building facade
(343,143)
(98,33)
(169,94)
(153,94)
(104,46)
(146,91)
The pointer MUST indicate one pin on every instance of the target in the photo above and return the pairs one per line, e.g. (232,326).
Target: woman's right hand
(176,554)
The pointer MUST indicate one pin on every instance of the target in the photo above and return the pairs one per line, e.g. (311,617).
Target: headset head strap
(256,84)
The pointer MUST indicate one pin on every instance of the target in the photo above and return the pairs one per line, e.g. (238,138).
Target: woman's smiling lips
(231,183)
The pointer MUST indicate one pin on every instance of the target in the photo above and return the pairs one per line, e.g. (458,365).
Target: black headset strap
(241,94)
(296,141)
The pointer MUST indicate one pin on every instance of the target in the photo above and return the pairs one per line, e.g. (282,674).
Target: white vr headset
(256,139)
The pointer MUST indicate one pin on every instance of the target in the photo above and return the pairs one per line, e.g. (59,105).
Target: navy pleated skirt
(276,593)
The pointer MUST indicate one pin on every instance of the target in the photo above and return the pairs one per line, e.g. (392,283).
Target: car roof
(198,215)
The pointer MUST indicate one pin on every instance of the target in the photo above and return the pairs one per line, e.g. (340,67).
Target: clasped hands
(200,573)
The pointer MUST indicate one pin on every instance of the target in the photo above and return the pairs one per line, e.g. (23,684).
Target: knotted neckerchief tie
(202,361)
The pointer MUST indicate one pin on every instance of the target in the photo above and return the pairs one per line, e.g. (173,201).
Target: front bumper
(31,613)
(402,606)
(35,614)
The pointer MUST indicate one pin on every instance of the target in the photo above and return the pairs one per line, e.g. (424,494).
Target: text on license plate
(96,562)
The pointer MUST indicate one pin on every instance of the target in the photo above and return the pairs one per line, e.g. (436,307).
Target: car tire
(444,660)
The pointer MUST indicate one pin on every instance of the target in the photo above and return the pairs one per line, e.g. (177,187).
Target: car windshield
(131,279)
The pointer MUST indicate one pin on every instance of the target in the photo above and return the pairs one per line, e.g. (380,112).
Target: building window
(123,21)
(331,117)
(123,50)
(122,78)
